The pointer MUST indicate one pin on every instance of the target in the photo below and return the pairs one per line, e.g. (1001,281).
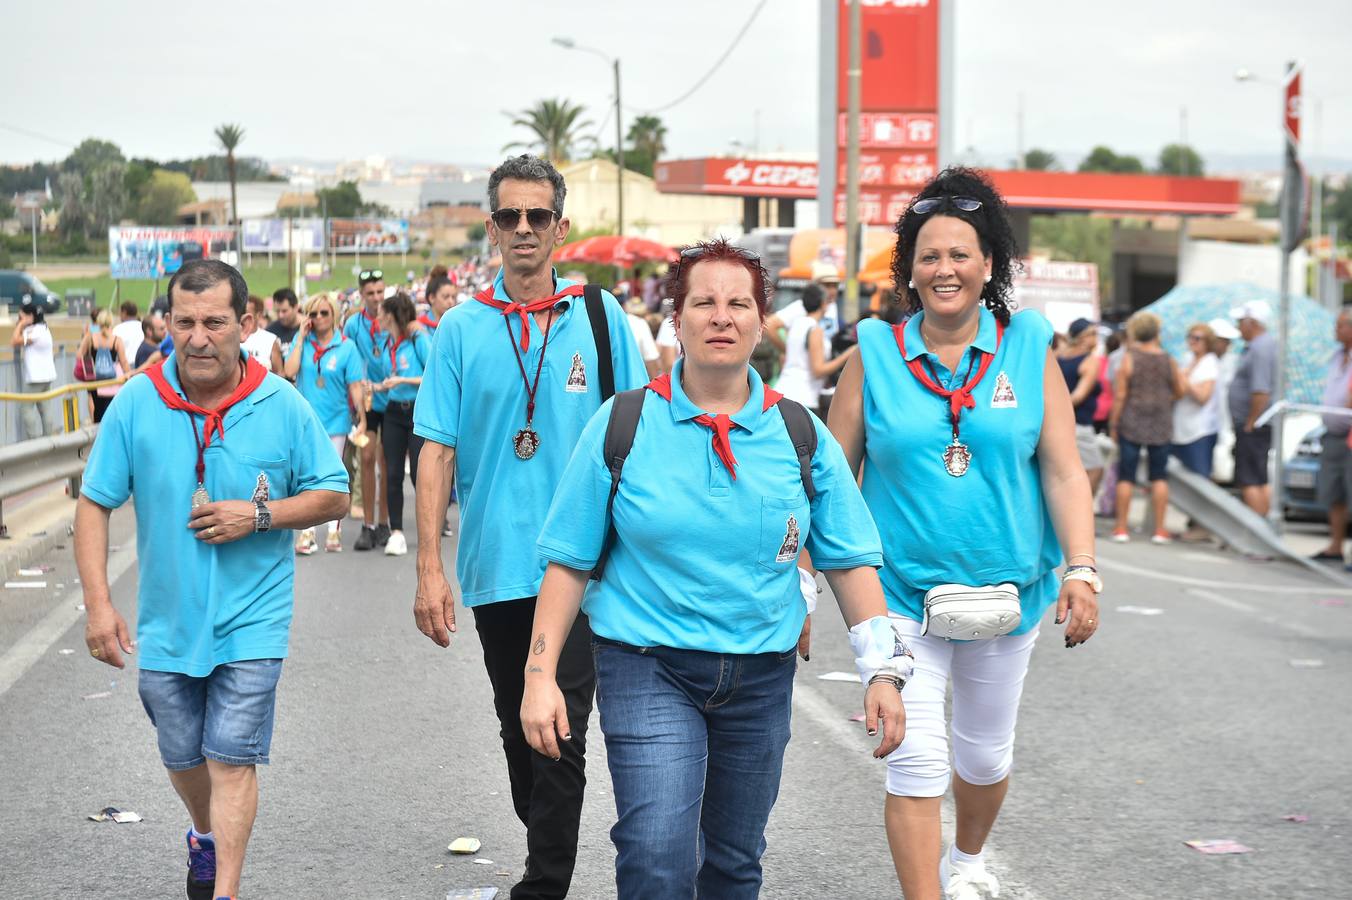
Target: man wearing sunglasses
(364,330)
(513,380)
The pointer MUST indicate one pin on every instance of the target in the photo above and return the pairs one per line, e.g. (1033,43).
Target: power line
(33,134)
(717,63)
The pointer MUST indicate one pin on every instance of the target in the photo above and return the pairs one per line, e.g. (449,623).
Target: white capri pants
(987,683)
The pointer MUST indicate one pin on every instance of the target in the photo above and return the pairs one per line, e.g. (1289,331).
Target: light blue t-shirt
(473,399)
(988,526)
(411,358)
(372,344)
(702,561)
(202,605)
(340,366)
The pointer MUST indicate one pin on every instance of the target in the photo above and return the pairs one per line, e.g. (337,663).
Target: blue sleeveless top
(989,526)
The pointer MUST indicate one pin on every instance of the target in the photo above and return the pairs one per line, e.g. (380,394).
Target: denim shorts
(1129,460)
(226,716)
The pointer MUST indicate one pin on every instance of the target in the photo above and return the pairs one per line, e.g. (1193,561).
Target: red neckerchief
(428,321)
(720,425)
(959,398)
(525,309)
(375,325)
(253,376)
(320,351)
(394,348)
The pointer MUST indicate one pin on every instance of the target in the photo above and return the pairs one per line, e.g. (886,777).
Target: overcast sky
(429,79)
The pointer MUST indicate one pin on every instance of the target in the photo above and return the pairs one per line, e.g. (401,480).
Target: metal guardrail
(31,464)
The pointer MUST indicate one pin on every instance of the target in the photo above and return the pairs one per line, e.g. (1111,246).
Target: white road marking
(808,701)
(1266,618)
(28,649)
(1113,565)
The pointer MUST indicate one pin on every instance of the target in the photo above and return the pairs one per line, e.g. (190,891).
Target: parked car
(15,286)
(1300,498)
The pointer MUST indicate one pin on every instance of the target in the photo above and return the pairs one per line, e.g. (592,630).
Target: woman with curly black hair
(963,425)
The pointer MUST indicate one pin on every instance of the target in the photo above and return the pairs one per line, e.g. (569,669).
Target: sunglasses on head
(537,217)
(692,254)
(930,204)
(369,276)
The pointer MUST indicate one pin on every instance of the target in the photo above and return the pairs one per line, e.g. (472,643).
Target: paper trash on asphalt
(1218,847)
(99,696)
(31,585)
(857,717)
(113,814)
(483,862)
(1296,817)
(464,845)
(1141,610)
(1307,664)
(839,676)
(65,651)
(1332,602)
(483,893)
(36,570)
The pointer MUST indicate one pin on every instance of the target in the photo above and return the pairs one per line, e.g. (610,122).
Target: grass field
(262,279)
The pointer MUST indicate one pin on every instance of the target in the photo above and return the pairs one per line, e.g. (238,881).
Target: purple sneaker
(201,868)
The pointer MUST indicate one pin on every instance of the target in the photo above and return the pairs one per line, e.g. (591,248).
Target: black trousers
(399,441)
(547,794)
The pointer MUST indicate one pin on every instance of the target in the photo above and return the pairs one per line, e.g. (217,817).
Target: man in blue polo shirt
(363,329)
(223,459)
(512,381)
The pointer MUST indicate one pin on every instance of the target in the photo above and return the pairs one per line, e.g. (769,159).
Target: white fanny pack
(959,612)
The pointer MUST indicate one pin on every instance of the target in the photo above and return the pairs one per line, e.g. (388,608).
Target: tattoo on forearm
(534,669)
(539,645)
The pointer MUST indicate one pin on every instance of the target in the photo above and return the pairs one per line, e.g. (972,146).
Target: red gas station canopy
(1045,191)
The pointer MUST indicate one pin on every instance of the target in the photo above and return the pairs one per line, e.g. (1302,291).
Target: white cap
(1224,329)
(1258,310)
(823,271)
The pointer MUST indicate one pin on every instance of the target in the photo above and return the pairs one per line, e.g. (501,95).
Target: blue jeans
(1197,456)
(695,743)
(226,716)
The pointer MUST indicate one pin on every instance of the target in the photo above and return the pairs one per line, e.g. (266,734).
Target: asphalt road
(1190,723)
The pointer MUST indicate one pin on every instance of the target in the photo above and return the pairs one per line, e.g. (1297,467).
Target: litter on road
(1296,817)
(36,570)
(1307,664)
(1218,847)
(483,893)
(464,845)
(113,814)
(99,696)
(65,651)
(839,676)
(1141,610)
(483,862)
(29,585)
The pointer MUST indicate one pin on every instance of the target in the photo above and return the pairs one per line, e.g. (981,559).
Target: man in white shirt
(258,342)
(39,369)
(129,329)
(1335,459)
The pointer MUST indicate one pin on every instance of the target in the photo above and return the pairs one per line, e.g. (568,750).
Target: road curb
(20,552)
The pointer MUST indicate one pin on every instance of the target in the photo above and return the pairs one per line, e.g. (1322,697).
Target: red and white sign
(1291,113)
(899,104)
(738,177)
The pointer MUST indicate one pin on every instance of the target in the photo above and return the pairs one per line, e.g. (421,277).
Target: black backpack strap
(596,312)
(803,433)
(620,430)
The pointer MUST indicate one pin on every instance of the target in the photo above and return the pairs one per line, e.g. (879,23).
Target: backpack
(596,312)
(104,367)
(623,424)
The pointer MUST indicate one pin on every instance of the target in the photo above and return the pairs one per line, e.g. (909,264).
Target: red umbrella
(614,250)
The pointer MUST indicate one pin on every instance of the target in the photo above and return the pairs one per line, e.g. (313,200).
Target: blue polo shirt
(702,561)
(341,367)
(473,399)
(410,358)
(202,605)
(373,349)
(988,526)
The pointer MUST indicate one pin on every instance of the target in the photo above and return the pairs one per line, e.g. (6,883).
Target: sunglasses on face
(537,217)
(930,204)
(1196,337)
(369,276)
(320,314)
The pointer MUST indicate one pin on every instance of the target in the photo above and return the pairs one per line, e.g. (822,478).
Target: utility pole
(853,75)
(619,153)
(1292,216)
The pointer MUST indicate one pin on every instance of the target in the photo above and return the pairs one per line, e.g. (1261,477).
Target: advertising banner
(1061,291)
(899,104)
(271,235)
(368,235)
(738,177)
(150,253)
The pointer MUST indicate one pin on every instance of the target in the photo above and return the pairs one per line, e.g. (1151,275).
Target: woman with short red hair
(697,608)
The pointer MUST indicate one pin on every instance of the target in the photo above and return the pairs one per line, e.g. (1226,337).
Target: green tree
(162,197)
(230,137)
(342,201)
(6,208)
(1041,161)
(106,189)
(1103,159)
(557,127)
(1338,209)
(135,180)
(1180,159)
(647,142)
(1076,239)
(69,191)
(90,155)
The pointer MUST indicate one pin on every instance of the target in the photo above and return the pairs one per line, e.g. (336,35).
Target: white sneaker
(966,881)
(396,545)
(306,546)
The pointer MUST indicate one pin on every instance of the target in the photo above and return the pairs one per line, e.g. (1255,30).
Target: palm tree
(230,137)
(648,136)
(556,128)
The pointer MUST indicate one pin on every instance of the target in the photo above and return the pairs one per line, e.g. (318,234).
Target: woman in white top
(39,370)
(806,367)
(1197,414)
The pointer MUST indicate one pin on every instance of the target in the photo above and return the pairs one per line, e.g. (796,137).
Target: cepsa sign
(738,177)
(899,104)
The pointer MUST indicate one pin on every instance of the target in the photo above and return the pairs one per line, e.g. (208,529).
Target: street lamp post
(570,44)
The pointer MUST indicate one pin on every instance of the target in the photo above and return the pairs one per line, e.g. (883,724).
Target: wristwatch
(1087,574)
(262,517)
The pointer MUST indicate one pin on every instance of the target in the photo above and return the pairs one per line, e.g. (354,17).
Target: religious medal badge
(957,458)
(526,442)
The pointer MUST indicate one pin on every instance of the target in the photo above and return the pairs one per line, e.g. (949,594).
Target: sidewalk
(38,521)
